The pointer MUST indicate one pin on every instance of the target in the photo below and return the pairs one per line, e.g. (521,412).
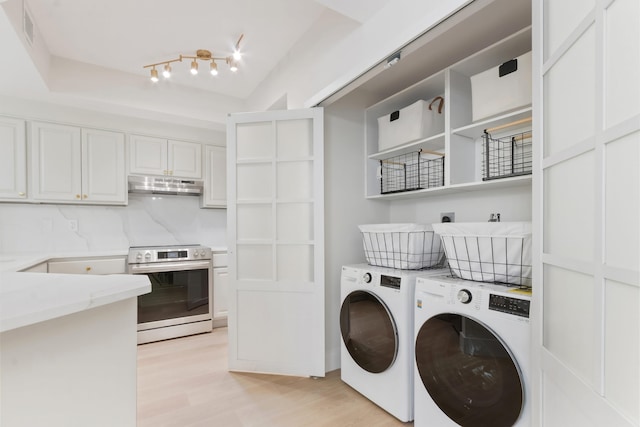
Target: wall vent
(28,25)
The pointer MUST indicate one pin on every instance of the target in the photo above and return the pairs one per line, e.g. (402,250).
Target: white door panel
(276,249)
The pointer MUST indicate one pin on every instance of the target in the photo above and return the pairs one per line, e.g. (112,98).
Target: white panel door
(586,213)
(276,242)
(55,162)
(104,177)
(13,159)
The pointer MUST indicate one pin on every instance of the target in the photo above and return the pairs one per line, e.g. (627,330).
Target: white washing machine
(471,354)
(376,323)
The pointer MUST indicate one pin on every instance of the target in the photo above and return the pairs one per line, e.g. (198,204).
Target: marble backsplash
(147,220)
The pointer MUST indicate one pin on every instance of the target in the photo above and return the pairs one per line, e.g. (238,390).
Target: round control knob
(195,254)
(366,277)
(202,252)
(464,296)
(138,256)
(147,255)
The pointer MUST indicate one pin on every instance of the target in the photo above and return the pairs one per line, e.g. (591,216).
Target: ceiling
(111,41)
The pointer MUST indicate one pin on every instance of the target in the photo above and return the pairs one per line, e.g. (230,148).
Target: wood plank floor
(184,382)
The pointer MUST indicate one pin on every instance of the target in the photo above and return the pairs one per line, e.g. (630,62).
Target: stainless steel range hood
(162,185)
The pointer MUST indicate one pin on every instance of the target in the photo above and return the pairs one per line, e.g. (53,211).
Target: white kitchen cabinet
(159,156)
(461,141)
(92,266)
(215,177)
(13,159)
(220,290)
(74,165)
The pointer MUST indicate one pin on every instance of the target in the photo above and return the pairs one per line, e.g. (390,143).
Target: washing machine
(471,354)
(376,323)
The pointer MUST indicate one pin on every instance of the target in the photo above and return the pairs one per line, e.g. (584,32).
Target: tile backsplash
(147,220)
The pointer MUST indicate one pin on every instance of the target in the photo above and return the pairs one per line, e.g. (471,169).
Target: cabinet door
(89,266)
(147,155)
(13,159)
(215,177)
(220,292)
(104,176)
(185,159)
(55,162)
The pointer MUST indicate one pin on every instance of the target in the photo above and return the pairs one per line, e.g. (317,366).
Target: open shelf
(459,143)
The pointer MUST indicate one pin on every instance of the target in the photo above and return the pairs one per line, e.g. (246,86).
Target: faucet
(495,217)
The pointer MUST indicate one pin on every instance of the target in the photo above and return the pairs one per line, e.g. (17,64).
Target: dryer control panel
(515,306)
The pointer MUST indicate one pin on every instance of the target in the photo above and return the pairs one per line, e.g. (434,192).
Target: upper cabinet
(215,177)
(430,138)
(74,165)
(13,159)
(158,156)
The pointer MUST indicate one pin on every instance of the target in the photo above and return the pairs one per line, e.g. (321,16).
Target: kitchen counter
(68,345)
(28,298)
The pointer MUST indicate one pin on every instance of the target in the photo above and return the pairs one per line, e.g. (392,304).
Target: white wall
(322,63)
(345,208)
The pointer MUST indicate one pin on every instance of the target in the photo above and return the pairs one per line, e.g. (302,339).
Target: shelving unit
(462,138)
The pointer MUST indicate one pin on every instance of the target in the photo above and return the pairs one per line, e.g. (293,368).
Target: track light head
(154,75)
(194,67)
(214,68)
(166,73)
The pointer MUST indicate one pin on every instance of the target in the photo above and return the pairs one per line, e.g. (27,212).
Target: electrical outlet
(448,217)
(73,224)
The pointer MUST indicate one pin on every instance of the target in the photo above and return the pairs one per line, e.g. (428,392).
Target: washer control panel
(515,306)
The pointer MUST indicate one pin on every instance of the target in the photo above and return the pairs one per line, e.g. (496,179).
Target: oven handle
(169,266)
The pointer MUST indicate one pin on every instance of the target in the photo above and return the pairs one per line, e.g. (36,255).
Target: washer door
(368,331)
(468,372)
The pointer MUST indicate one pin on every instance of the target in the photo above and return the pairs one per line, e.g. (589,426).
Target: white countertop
(28,298)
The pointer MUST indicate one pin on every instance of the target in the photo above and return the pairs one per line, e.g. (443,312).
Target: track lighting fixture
(201,55)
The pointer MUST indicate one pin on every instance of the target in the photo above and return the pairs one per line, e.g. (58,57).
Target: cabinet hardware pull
(77,196)
(21,194)
(84,196)
(87,268)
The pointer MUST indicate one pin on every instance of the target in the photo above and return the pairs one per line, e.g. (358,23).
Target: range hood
(162,185)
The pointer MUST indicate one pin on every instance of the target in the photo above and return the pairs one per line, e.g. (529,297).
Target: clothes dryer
(376,323)
(471,354)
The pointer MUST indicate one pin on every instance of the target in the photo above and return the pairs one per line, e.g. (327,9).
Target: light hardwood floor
(184,382)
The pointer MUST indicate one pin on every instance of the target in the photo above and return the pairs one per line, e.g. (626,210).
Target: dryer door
(468,372)
(369,331)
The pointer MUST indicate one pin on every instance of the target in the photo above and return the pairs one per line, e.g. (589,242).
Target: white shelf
(433,143)
(518,181)
(475,130)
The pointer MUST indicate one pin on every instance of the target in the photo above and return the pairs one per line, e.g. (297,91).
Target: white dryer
(376,323)
(471,354)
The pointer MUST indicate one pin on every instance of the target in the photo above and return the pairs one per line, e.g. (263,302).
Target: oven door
(180,293)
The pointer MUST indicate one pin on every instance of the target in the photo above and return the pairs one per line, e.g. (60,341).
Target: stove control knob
(139,256)
(147,255)
(202,253)
(464,296)
(195,254)
(366,277)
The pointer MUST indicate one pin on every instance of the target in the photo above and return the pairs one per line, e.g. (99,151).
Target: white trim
(622,275)
(578,266)
(575,150)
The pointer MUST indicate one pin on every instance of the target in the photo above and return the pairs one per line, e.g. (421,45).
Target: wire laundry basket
(402,246)
(416,170)
(488,252)
(506,156)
